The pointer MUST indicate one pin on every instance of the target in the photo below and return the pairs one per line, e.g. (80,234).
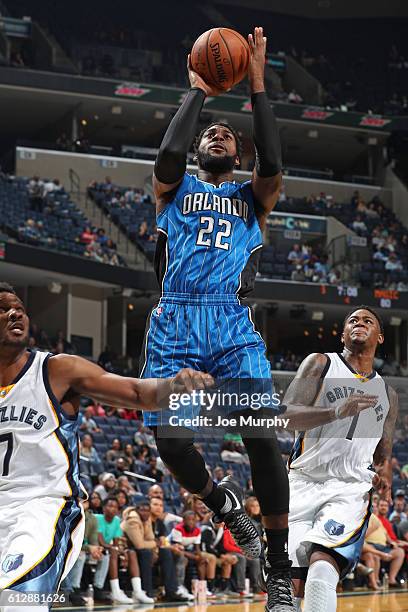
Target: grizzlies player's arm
(72,373)
(301,400)
(382,456)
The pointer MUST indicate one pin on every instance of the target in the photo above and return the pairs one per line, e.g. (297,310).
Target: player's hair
(373,312)
(6,288)
(238,140)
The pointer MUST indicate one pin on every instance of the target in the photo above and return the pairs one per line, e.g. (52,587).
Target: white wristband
(337,412)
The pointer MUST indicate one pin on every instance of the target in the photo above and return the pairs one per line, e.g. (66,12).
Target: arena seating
(58,224)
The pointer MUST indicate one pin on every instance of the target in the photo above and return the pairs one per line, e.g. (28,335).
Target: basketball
(221,57)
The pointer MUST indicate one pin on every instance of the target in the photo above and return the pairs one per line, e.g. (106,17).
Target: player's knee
(323,571)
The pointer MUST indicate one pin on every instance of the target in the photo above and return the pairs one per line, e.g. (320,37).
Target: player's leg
(40,543)
(241,359)
(323,576)
(188,467)
(337,537)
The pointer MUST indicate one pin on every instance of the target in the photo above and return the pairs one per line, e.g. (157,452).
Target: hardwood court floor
(353,602)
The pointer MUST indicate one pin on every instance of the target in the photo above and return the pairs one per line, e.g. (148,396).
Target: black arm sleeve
(171,160)
(266,137)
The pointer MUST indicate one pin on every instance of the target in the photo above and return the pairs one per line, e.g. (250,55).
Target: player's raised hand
(256,70)
(197,81)
(355,404)
(188,380)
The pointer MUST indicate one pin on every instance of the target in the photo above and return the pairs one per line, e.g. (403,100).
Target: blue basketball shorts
(210,333)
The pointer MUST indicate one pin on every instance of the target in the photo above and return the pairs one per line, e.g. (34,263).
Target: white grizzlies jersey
(38,441)
(344,448)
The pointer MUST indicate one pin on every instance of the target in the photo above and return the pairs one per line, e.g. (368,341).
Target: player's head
(14,321)
(362,327)
(218,148)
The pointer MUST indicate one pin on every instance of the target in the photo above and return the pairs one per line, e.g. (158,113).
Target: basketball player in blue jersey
(41,520)
(331,466)
(210,233)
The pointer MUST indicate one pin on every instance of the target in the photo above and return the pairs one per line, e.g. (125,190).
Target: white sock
(136,584)
(114,585)
(320,589)
(298,604)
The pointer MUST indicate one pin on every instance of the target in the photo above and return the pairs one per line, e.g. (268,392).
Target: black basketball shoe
(238,522)
(277,583)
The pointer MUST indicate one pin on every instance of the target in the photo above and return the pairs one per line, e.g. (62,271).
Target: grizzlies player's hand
(188,380)
(197,81)
(354,405)
(383,487)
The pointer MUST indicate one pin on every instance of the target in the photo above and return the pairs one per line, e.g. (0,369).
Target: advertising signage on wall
(302,223)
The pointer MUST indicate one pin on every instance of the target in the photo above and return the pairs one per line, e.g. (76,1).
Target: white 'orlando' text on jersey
(344,448)
(38,441)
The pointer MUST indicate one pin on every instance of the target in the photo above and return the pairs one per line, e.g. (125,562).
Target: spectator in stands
(378,537)
(101,237)
(63,142)
(129,455)
(87,236)
(107,485)
(152,471)
(106,358)
(144,436)
(114,452)
(396,552)
(230,452)
(370,556)
(90,551)
(399,513)
(96,409)
(111,539)
(218,474)
(123,501)
(125,485)
(211,535)
(95,503)
(359,226)
(142,454)
(228,546)
(295,256)
(253,510)
(90,462)
(392,263)
(87,422)
(121,466)
(294,97)
(165,559)
(137,525)
(156,497)
(186,539)
(143,232)
(298,274)
(35,189)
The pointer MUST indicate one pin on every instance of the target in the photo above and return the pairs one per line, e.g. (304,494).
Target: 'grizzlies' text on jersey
(38,441)
(209,239)
(342,449)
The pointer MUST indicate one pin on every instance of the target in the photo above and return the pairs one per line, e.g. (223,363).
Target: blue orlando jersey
(209,239)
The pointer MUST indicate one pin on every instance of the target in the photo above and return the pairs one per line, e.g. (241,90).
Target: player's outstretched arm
(69,372)
(382,457)
(267,175)
(301,398)
(171,160)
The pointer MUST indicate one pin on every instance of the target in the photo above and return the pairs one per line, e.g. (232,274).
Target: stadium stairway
(125,247)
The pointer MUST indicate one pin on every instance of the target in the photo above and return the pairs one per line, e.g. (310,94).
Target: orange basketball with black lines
(221,57)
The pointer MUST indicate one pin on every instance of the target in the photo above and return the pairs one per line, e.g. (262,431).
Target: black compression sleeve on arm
(171,160)
(266,137)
